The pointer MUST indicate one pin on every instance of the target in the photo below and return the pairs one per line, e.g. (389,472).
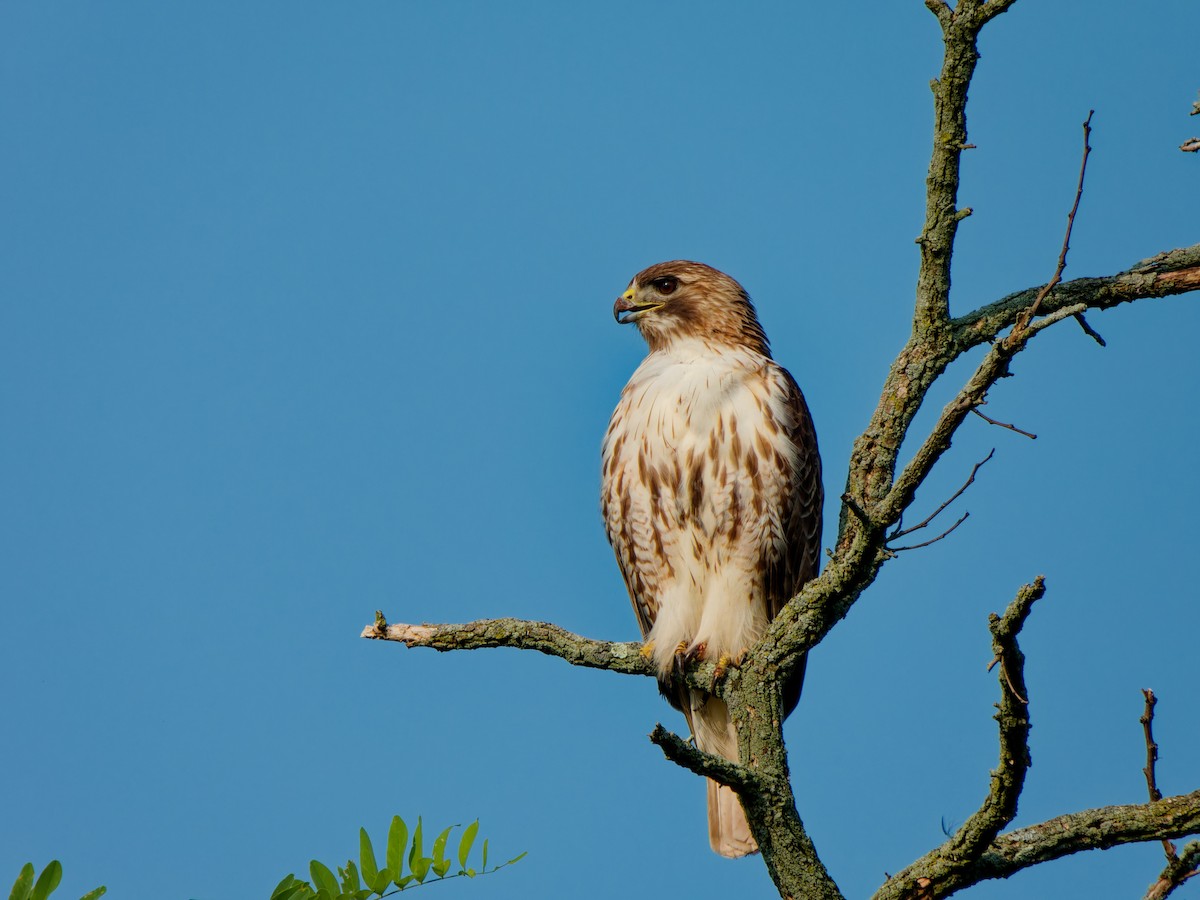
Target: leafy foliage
(366,879)
(25,888)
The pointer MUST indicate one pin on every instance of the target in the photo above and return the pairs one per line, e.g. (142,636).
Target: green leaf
(420,867)
(380,882)
(323,879)
(24,883)
(417,850)
(517,858)
(285,884)
(439,852)
(468,840)
(483,868)
(350,882)
(366,857)
(95,894)
(397,841)
(47,881)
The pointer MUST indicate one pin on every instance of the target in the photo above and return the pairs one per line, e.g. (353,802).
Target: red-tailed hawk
(711,494)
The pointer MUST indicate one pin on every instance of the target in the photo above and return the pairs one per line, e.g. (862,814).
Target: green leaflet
(24,883)
(47,881)
(466,842)
(397,839)
(323,879)
(366,858)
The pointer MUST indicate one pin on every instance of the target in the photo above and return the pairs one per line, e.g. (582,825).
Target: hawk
(711,494)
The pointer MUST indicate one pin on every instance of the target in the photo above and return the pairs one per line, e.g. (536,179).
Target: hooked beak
(625,306)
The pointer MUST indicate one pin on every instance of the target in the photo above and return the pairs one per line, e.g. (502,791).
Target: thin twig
(898,533)
(1025,318)
(1009,426)
(1089,330)
(961,519)
(1147,720)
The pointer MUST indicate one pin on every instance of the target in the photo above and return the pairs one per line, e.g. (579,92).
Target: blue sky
(307,313)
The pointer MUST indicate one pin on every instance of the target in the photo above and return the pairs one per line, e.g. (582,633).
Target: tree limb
(1092,829)
(615,656)
(1176,872)
(684,754)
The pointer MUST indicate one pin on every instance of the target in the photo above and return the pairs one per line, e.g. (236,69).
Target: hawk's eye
(665,284)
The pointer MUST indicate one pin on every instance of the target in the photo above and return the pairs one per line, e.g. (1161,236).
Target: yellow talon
(721,668)
(647,650)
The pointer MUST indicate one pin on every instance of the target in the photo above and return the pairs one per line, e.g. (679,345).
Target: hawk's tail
(728,831)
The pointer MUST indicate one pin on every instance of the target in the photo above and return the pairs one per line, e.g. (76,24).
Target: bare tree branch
(684,754)
(1093,829)
(1176,872)
(1026,316)
(1147,720)
(901,532)
(931,874)
(934,540)
(616,656)
(1008,425)
(1172,272)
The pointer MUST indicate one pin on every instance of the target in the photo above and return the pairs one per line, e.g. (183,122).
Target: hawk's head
(680,299)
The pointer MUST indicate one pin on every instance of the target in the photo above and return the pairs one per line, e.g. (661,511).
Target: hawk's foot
(647,651)
(724,661)
(683,655)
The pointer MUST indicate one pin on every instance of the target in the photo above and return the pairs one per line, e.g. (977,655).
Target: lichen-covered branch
(1093,829)
(935,874)
(615,656)
(1186,865)
(1169,273)
(1013,718)
(960,32)
(688,756)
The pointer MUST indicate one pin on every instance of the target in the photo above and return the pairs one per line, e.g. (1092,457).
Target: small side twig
(1191,145)
(1028,315)
(901,532)
(945,533)
(1147,720)
(1008,425)
(682,753)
